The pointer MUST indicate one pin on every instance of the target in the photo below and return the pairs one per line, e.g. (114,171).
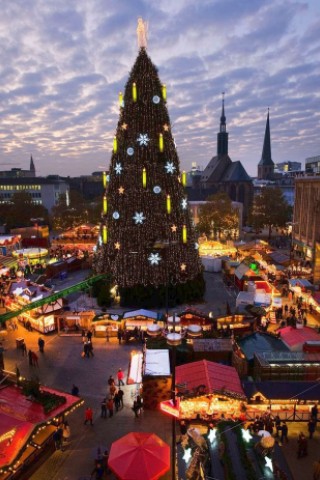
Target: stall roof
(283,390)
(300,282)
(241,270)
(296,336)
(213,375)
(157,362)
(279,257)
(259,343)
(212,345)
(20,416)
(140,313)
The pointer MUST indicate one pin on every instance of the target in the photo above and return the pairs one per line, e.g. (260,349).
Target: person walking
(120,395)
(24,349)
(90,350)
(30,358)
(137,405)
(116,400)
(66,432)
(104,408)
(120,376)
(88,416)
(110,406)
(284,433)
(302,446)
(57,438)
(41,344)
(311,427)
(34,359)
(120,335)
(75,390)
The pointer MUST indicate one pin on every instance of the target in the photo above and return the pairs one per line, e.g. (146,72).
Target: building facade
(222,174)
(306,218)
(313,164)
(44,191)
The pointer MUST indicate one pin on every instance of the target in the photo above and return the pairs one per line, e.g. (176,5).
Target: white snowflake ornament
(184,203)
(143,139)
(154,258)
(169,167)
(138,218)
(118,168)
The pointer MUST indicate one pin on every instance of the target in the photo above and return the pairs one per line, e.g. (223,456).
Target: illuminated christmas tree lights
(145,193)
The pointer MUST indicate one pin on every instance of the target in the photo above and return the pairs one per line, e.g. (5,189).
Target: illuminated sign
(168,407)
(7,435)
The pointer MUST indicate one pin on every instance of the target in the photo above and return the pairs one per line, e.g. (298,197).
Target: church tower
(222,136)
(266,164)
(32,167)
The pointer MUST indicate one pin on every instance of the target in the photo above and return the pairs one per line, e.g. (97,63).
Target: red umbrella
(139,456)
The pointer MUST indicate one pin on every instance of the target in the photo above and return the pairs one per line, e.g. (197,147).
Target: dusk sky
(63,63)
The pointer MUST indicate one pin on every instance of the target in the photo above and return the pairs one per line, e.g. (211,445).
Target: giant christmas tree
(148,240)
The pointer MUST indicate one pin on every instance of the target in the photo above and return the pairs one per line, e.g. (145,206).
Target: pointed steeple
(222,137)
(32,166)
(266,164)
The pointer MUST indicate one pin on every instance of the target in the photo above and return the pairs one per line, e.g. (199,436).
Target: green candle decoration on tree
(149,243)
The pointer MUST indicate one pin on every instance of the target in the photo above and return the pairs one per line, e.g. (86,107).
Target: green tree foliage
(20,209)
(218,215)
(270,209)
(65,216)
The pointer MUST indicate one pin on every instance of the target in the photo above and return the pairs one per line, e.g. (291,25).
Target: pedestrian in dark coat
(120,395)
(116,400)
(41,344)
(311,427)
(284,433)
(30,358)
(34,359)
(104,408)
(302,446)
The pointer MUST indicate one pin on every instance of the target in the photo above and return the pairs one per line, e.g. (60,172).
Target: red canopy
(139,456)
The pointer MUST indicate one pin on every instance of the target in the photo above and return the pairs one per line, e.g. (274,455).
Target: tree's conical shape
(147,231)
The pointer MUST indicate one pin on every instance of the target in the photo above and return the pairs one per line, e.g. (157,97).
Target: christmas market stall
(156,377)
(208,390)
(24,292)
(8,243)
(194,317)
(107,325)
(71,323)
(29,415)
(291,401)
(137,321)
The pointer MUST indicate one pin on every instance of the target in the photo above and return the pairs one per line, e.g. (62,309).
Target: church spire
(32,166)
(222,143)
(266,164)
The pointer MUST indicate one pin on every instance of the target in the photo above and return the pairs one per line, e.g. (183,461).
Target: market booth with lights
(207,389)
(27,426)
(290,400)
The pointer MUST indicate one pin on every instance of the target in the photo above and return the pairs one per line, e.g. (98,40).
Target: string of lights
(145,200)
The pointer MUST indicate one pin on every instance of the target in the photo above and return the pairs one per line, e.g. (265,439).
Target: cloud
(63,64)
